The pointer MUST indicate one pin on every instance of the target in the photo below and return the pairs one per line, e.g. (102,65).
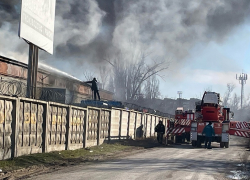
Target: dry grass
(61,157)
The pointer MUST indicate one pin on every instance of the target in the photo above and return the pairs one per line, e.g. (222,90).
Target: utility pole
(32,71)
(242,80)
(180,96)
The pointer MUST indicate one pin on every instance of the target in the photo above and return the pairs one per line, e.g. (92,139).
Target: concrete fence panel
(77,120)
(7,133)
(30,126)
(139,126)
(150,117)
(124,124)
(131,129)
(165,123)
(144,125)
(56,127)
(115,123)
(149,124)
(156,122)
(105,122)
(92,127)
(153,126)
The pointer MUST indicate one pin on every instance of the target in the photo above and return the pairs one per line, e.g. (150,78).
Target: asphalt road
(174,162)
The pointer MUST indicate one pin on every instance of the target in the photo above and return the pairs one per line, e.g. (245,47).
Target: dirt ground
(130,147)
(171,161)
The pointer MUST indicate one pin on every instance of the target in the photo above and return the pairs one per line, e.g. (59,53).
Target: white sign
(37,23)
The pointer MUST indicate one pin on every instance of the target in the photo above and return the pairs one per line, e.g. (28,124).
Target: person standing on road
(94,88)
(160,129)
(209,132)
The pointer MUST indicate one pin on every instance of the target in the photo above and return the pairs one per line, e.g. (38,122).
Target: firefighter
(94,88)
(160,129)
(209,132)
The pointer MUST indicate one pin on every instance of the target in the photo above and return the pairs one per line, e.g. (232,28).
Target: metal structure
(242,80)
(179,93)
(180,96)
(32,71)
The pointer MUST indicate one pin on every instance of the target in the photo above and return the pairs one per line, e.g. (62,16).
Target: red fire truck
(178,129)
(193,123)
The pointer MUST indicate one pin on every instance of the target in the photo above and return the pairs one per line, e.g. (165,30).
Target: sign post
(37,28)
(32,71)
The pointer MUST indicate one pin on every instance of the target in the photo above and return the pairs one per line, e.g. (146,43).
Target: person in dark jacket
(209,132)
(94,88)
(160,129)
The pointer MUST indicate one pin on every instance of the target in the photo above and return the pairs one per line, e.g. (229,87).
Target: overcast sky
(206,42)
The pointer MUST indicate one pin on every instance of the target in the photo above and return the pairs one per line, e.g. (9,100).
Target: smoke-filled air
(88,30)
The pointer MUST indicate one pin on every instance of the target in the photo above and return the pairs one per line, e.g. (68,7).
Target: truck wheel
(188,137)
(194,143)
(221,144)
(226,144)
(198,142)
(178,139)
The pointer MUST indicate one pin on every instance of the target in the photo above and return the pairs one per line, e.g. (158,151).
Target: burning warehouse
(52,84)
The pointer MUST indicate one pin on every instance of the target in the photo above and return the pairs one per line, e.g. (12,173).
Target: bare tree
(226,99)
(235,102)
(104,74)
(110,86)
(130,74)
(151,88)
(88,75)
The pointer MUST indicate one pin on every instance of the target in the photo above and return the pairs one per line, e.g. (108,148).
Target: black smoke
(88,30)
(9,11)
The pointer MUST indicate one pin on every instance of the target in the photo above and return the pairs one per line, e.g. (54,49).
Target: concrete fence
(30,126)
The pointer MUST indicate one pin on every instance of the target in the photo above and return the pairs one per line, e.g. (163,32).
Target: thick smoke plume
(88,30)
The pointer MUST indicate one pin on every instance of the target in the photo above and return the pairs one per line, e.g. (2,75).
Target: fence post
(145,127)
(109,131)
(14,126)
(135,124)
(128,124)
(99,127)
(120,124)
(68,127)
(45,128)
(86,124)
(143,123)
